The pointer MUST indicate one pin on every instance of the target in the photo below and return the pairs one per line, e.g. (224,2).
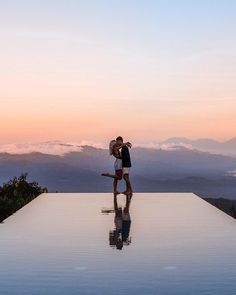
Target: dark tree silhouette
(16,193)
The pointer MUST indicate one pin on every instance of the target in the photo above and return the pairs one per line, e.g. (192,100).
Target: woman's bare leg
(116,177)
(115,182)
(109,175)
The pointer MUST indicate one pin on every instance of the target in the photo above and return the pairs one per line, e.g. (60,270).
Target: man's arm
(117,148)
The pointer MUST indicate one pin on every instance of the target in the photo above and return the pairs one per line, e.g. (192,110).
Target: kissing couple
(120,151)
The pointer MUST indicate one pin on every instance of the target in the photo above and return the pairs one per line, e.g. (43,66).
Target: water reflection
(120,235)
(180,245)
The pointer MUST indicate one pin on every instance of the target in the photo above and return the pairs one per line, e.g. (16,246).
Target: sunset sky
(90,70)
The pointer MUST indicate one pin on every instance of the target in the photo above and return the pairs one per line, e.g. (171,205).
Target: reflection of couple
(120,151)
(120,235)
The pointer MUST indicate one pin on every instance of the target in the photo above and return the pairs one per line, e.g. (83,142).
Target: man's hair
(119,138)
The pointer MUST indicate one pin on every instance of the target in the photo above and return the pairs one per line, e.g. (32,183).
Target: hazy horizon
(105,141)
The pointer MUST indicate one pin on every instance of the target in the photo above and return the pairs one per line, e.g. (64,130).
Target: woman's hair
(111,146)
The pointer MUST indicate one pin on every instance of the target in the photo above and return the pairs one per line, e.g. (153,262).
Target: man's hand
(128,144)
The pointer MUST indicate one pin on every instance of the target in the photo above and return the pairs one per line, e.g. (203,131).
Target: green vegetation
(17,193)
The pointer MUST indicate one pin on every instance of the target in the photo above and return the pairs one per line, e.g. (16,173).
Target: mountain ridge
(153,170)
(227,147)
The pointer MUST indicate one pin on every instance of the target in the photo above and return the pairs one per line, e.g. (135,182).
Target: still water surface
(155,243)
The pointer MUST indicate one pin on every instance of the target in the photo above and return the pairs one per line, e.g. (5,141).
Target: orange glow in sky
(91,71)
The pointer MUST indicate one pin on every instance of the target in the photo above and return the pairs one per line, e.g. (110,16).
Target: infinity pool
(154,243)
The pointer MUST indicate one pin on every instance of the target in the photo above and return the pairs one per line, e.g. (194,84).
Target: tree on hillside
(16,193)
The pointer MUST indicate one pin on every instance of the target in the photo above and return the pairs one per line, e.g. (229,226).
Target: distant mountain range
(175,169)
(174,143)
(204,144)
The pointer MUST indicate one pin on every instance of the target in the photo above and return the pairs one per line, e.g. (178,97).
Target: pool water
(93,243)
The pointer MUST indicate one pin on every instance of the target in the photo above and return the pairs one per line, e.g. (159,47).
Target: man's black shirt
(125,156)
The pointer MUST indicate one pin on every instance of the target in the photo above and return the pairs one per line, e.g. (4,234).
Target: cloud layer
(62,148)
(51,148)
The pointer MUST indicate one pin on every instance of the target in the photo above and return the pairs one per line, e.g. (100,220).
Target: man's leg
(128,184)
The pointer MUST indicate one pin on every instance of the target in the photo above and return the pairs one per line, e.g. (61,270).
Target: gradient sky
(89,70)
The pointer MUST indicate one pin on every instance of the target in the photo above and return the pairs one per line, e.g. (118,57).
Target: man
(126,163)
